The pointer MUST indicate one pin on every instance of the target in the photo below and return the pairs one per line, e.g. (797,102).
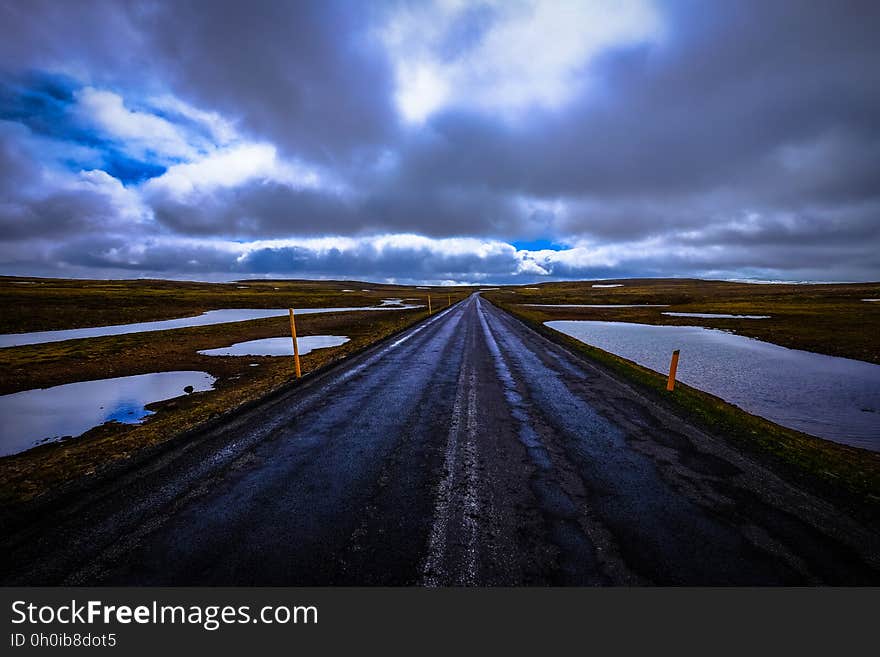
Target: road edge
(859,498)
(16,516)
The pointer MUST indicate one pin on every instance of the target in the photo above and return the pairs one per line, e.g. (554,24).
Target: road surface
(468,450)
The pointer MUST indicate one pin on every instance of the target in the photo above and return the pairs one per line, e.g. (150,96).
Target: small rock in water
(188,390)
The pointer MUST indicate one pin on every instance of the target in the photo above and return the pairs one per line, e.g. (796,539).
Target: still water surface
(716,315)
(596,305)
(224,316)
(33,417)
(278,346)
(826,396)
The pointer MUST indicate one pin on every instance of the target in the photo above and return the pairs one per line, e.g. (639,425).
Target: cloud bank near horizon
(490,142)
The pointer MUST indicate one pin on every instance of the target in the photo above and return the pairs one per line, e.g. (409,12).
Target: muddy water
(278,346)
(37,416)
(833,398)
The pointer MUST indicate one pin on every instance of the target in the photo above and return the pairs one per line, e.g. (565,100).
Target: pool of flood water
(716,315)
(224,316)
(278,346)
(33,417)
(596,305)
(826,396)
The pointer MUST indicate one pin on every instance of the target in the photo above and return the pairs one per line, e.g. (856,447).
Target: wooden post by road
(429,304)
(670,384)
(295,345)
(448,300)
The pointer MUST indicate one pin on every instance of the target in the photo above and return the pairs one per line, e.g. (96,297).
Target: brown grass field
(828,318)
(55,304)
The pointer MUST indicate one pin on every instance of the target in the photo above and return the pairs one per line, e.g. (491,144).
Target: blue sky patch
(42,102)
(538,245)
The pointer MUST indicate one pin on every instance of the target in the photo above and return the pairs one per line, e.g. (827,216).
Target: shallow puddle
(278,346)
(37,416)
(597,305)
(826,396)
(716,315)
(224,316)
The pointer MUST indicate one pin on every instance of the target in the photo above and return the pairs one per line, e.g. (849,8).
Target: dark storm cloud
(118,253)
(442,211)
(16,167)
(57,215)
(400,262)
(745,139)
(96,37)
(731,86)
(857,226)
(405,262)
(261,209)
(256,209)
(304,75)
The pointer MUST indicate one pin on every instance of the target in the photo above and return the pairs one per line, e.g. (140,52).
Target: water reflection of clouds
(35,416)
(825,396)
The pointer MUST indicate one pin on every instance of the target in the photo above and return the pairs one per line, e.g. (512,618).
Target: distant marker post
(429,305)
(673,366)
(295,345)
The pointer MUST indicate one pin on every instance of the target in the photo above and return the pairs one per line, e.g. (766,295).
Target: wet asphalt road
(468,450)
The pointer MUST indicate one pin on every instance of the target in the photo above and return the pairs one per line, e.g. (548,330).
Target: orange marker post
(448,300)
(295,345)
(429,305)
(670,384)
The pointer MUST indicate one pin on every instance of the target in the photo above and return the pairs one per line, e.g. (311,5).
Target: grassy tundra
(48,304)
(828,318)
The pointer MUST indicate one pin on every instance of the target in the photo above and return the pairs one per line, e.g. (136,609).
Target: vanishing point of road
(467,450)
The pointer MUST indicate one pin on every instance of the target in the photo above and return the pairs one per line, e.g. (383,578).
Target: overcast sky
(440,141)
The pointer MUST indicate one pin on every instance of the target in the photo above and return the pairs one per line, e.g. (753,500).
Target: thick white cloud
(676,139)
(129,207)
(220,129)
(205,151)
(504,56)
(230,167)
(409,258)
(143,135)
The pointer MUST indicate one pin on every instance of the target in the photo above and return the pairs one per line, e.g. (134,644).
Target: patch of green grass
(847,475)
